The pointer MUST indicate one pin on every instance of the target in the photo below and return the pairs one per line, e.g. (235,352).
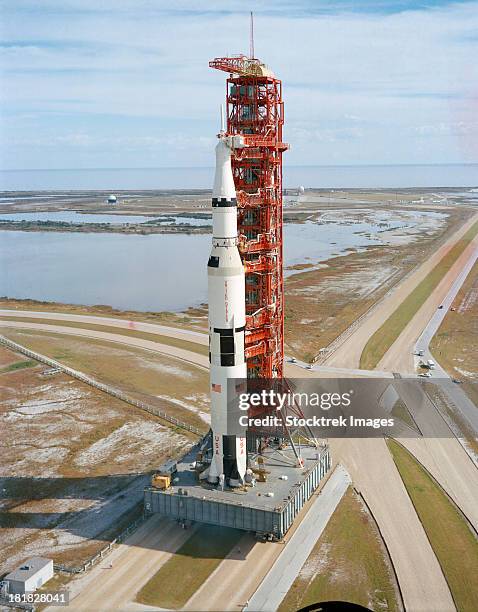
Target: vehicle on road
(425,374)
(431,364)
(457,381)
(420,352)
(292,360)
(440,307)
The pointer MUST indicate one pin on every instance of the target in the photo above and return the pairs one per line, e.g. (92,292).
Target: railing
(59,567)
(101,386)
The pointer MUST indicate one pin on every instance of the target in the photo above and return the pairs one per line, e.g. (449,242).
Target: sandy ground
(73,466)
(349,352)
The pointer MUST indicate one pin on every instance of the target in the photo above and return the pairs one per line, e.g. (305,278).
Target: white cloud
(359,87)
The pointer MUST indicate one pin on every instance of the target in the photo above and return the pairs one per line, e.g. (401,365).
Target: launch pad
(267,508)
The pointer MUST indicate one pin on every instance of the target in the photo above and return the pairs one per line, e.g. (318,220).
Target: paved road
(7,317)
(151,328)
(296,368)
(455,393)
(134,563)
(399,357)
(348,354)
(441,453)
(459,400)
(165,349)
(431,329)
(278,581)
(237,578)
(372,469)
(374,474)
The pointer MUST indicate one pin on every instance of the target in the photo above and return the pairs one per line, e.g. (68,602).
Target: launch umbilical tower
(256,111)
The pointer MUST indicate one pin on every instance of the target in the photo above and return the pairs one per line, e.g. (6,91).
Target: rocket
(227,320)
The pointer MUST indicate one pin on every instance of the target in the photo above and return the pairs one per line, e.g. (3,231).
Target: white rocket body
(227,319)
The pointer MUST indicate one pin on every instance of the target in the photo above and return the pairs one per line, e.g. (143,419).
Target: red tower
(256,111)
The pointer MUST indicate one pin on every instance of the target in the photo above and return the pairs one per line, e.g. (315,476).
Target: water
(10,200)
(400,176)
(470,194)
(154,272)
(72,217)
(312,243)
(76,218)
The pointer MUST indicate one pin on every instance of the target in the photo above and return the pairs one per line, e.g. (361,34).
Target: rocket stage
(252,509)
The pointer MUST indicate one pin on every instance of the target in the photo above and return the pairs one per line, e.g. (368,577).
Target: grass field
(348,563)
(385,336)
(19,365)
(452,540)
(182,575)
(178,388)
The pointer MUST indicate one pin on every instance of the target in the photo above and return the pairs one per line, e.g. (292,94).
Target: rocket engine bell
(227,319)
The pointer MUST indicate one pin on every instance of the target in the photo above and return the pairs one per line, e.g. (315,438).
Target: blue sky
(126,83)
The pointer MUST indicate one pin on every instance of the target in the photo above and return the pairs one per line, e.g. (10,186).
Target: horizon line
(411,165)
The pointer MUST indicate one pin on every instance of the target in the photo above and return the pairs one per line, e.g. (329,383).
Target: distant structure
(30,576)
(300,190)
(112,199)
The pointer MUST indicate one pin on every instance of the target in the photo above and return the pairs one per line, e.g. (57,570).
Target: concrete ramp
(278,581)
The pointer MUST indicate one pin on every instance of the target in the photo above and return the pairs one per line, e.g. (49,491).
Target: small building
(112,199)
(30,576)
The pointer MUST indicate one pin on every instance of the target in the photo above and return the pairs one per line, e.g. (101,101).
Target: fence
(103,552)
(101,386)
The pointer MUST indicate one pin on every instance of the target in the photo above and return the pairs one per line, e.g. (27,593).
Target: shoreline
(93,228)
